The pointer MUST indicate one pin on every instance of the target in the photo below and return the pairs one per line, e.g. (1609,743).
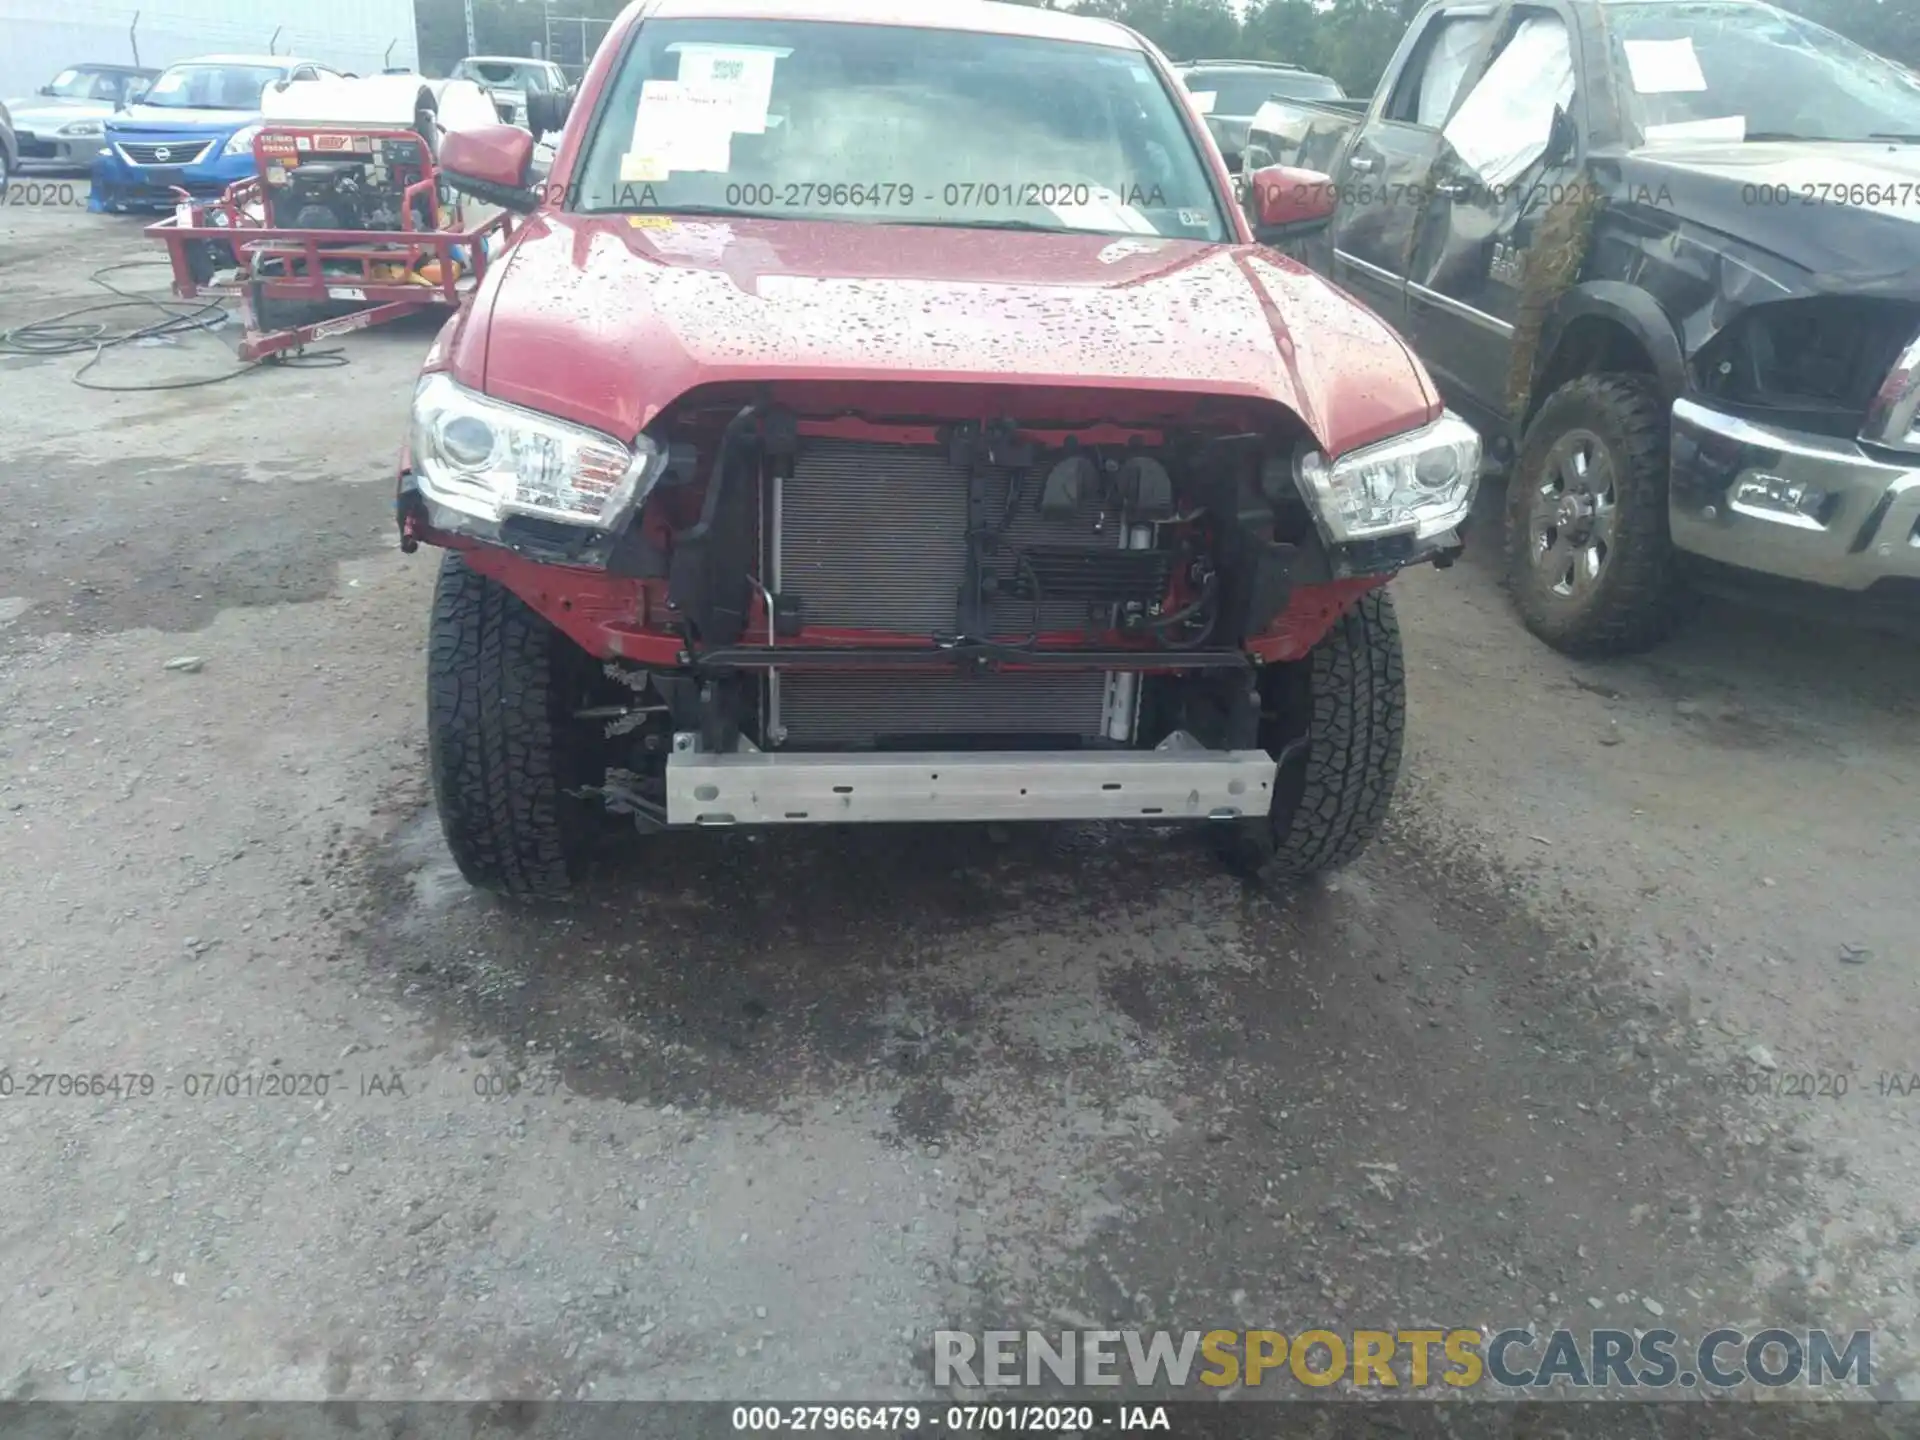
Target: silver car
(60,128)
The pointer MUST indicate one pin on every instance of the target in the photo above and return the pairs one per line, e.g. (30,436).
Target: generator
(314,178)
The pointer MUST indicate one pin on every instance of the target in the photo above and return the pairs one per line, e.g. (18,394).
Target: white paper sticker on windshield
(678,128)
(1204,100)
(1664,67)
(1104,211)
(744,75)
(167,84)
(1731,128)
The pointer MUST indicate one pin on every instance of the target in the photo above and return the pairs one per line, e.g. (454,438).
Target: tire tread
(1640,602)
(491,736)
(1356,736)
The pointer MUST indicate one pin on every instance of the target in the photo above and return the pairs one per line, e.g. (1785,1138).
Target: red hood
(607,320)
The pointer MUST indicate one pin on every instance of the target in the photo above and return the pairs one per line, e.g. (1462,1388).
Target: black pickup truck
(1666,254)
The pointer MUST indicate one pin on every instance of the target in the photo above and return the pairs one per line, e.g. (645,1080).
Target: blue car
(192,130)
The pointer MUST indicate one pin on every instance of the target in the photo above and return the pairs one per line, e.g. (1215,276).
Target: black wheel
(1590,558)
(1337,721)
(271,313)
(503,688)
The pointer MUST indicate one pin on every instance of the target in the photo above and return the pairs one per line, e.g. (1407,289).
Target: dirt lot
(758,1114)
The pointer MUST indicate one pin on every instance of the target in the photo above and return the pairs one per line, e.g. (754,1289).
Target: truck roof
(984,16)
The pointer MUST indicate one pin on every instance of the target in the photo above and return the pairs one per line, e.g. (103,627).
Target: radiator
(874,537)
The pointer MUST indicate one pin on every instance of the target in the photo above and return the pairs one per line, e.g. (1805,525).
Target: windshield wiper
(723,212)
(1875,137)
(1030,225)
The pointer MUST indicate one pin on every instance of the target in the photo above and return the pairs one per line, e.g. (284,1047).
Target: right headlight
(1421,483)
(488,459)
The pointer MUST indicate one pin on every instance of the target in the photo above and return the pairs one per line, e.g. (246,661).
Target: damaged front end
(1798,452)
(934,602)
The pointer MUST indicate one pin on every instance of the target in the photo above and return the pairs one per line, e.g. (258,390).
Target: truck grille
(874,537)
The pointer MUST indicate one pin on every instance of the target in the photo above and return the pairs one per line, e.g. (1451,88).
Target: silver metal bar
(767,789)
(776,732)
(1123,692)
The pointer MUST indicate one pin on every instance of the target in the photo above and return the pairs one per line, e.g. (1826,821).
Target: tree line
(1351,40)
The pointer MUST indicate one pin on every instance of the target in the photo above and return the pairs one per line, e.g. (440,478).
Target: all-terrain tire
(1337,720)
(1637,600)
(500,741)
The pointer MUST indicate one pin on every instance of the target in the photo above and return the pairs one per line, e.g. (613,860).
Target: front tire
(502,685)
(1337,722)
(1590,560)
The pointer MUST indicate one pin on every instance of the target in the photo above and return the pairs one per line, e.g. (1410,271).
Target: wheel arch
(1606,325)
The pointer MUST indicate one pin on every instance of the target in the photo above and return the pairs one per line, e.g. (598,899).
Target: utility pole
(473,45)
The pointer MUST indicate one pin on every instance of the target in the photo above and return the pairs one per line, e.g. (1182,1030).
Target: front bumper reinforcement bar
(936,657)
(751,788)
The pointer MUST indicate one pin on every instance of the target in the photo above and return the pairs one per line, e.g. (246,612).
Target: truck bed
(1305,133)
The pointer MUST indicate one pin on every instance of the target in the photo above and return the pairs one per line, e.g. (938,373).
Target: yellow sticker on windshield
(642,168)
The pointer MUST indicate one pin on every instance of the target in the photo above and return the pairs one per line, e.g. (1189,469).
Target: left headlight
(490,460)
(82,129)
(1420,484)
(241,141)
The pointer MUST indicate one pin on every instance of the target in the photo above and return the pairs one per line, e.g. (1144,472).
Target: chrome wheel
(1572,519)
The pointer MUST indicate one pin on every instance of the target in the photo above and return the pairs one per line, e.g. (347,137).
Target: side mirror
(547,111)
(491,163)
(1286,202)
(1236,162)
(46,90)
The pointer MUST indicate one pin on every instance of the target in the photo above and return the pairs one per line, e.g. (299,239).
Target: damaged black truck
(1665,254)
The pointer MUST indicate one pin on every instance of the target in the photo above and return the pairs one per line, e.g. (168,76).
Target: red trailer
(339,228)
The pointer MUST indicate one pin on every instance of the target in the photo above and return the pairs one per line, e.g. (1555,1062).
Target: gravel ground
(757,1114)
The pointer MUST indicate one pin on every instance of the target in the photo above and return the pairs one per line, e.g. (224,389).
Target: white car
(510,79)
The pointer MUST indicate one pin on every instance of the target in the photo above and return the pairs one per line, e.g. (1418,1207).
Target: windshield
(1718,71)
(72,85)
(502,72)
(211,87)
(896,125)
(1240,92)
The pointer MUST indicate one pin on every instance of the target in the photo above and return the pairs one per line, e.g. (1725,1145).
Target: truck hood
(607,320)
(169,120)
(1846,215)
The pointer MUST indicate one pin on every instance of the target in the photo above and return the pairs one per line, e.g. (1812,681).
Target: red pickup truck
(884,412)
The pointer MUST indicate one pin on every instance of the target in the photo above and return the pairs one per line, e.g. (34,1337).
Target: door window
(1502,127)
(1426,89)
